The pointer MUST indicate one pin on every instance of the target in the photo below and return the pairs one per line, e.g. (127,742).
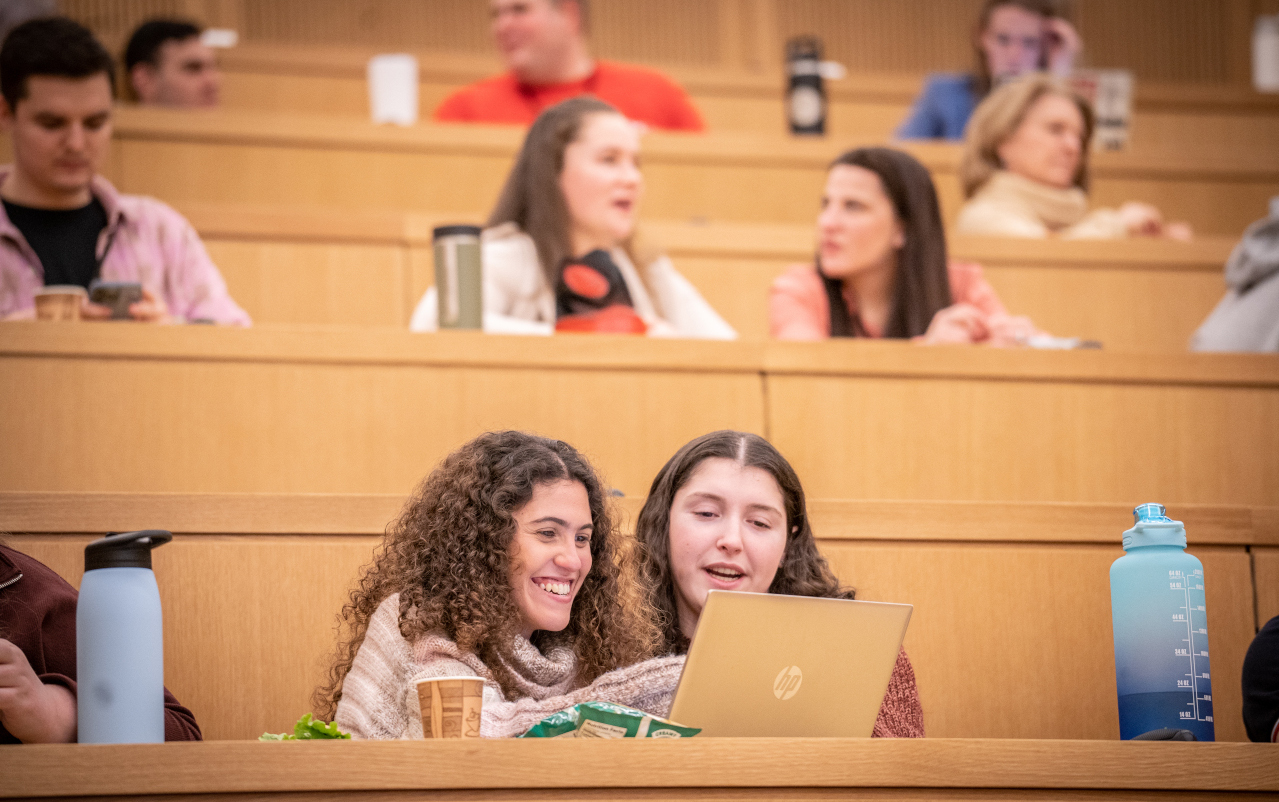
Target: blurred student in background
(61,222)
(1025,170)
(543,43)
(38,658)
(506,565)
(1247,318)
(1012,38)
(167,64)
(558,251)
(727,512)
(1261,685)
(881,268)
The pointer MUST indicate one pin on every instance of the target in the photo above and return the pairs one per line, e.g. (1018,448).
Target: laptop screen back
(789,666)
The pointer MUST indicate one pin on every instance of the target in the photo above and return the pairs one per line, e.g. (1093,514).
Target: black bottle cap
(125,550)
(455,231)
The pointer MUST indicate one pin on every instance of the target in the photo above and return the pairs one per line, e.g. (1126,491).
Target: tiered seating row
(292,160)
(1037,668)
(298,409)
(329,80)
(370,268)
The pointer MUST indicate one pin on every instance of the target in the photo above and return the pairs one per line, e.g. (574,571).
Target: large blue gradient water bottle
(120,642)
(1161,630)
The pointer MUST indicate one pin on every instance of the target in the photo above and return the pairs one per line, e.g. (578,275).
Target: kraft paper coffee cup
(451,706)
(60,302)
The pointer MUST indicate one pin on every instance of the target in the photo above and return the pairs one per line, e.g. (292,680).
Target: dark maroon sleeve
(37,614)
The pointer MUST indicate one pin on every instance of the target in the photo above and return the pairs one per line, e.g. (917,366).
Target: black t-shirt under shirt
(66,240)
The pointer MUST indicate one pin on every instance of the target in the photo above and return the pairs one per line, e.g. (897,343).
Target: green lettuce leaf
(308,729)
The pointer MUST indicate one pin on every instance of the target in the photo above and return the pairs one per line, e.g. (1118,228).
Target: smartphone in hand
(118,295)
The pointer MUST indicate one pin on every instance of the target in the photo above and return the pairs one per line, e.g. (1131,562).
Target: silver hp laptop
(789,666)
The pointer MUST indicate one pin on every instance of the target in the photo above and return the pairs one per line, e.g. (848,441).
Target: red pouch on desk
(591,296)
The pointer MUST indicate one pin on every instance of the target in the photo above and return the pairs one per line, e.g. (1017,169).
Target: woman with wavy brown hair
(505,564)
(727,512)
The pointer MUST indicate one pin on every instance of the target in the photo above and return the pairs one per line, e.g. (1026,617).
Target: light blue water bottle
(1161,630)
(120,642)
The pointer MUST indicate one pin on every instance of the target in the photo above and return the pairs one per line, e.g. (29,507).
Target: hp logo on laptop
(787,683)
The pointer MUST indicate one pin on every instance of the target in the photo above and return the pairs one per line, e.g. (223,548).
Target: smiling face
(1048,144)
(727,532)
(858,230)
(533,35)
(1013,42)
(550,555)
(61,131)
(601,182)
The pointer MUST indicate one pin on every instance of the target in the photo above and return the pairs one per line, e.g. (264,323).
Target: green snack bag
(557,725)
(605,720)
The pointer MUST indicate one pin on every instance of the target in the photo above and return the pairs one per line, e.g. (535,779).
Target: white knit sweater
(379,695)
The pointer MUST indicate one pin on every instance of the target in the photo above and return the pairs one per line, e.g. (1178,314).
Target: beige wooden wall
(1161,40)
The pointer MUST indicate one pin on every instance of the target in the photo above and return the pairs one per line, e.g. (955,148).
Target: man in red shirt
(544,46)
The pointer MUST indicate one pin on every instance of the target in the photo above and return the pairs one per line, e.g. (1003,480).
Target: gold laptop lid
(789,666)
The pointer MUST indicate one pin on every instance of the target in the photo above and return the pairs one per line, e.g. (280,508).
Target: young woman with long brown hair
(1011,38)
(727,512)
(881,267)
(506,564)
(558,249)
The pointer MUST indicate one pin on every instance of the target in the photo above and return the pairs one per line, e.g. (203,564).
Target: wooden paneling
(1180,40)
(1122,309)
(1266,566)
(344,409)
(990,679)
(298,160)
(867,431)
(277,282)
(907,35)
(307,409)
(703,769)
(987,667)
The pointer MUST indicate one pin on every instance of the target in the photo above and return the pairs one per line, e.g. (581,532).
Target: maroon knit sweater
(37,614)
(900,715)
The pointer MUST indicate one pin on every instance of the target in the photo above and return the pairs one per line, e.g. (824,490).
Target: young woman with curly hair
(506,564)
(727,512)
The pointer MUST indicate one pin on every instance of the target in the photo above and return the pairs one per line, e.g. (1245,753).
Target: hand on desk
(31,711)
(151,309)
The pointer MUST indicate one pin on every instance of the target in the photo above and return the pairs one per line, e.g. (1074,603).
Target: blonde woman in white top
(573,195)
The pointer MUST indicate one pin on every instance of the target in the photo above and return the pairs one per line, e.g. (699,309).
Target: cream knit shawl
(1014,206)
(379,697)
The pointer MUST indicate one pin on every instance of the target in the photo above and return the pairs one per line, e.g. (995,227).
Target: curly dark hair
(448,557)
(803,570)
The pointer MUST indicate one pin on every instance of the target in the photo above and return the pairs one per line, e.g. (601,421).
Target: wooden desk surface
(70,512)
(695,769)
(853,358)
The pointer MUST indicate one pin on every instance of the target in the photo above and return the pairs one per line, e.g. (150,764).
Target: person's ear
(899,235)
(6,116)
(143,79)
(572,12)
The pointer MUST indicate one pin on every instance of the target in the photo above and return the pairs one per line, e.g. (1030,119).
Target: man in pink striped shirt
(61,222)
